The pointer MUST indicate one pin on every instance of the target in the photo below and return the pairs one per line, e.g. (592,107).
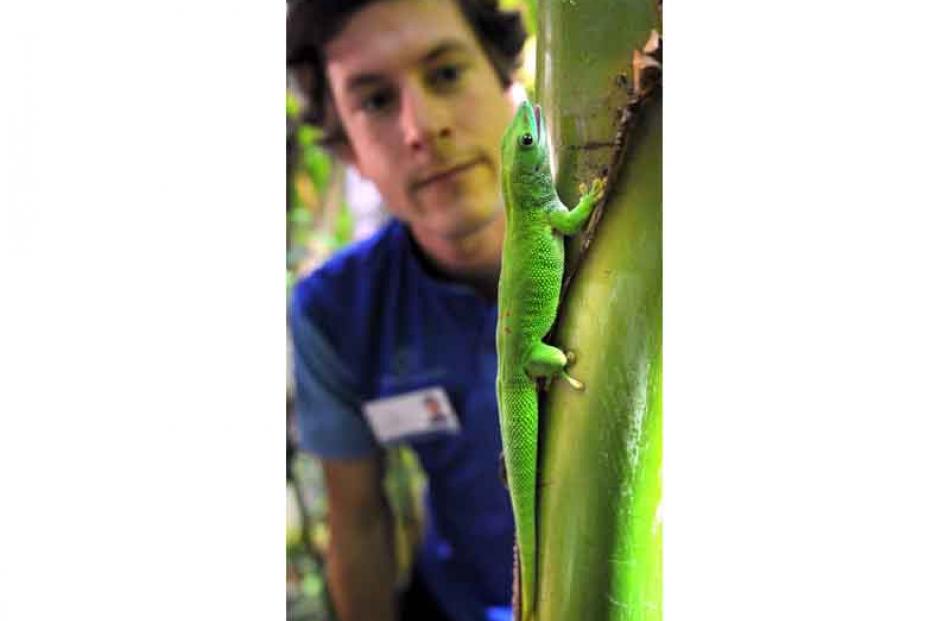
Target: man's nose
(424,119)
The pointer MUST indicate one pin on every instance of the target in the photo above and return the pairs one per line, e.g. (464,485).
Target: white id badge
(420,412)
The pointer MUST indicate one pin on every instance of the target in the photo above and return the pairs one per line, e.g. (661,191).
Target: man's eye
(376,101)
(445,75)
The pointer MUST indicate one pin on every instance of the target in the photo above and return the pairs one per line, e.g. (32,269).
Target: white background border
(142,340)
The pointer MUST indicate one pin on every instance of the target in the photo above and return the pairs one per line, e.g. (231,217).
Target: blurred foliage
(310,172)
(404,485)
(529,12)
(318,219)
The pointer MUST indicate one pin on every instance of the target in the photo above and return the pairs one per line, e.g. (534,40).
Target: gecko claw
(594,191)
(575,384)
(597,188)
(571,359)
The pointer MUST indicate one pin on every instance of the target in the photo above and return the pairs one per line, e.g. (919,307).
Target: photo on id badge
(411,415)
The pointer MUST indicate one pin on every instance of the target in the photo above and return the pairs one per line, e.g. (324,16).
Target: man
(414,95)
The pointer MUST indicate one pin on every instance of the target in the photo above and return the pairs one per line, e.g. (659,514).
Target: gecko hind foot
(575,383)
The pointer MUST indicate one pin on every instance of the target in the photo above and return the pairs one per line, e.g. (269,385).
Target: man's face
(424,112)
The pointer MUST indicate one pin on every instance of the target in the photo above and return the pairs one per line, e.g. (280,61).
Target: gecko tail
(518,404)
(516,584)
(527,577)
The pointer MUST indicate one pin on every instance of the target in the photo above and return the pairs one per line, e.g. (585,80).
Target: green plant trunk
(600,533)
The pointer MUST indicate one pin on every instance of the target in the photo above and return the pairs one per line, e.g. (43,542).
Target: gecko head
(524,145)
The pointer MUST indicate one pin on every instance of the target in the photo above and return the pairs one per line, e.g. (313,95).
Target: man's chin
(460,225)
(460,191)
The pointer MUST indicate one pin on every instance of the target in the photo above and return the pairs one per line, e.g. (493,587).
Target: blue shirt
(373,323)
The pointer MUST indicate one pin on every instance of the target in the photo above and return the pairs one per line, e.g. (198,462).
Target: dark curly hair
(311,24)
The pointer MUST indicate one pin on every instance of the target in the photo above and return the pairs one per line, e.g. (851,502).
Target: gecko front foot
(595,191)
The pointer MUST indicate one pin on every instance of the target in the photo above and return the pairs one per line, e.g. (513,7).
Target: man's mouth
(444,174)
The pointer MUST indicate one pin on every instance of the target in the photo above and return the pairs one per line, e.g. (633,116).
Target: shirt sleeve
(327,408)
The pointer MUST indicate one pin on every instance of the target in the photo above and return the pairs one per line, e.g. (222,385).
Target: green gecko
(532,267)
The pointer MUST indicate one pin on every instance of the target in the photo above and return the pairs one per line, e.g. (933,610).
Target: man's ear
(335,139)
(344,152)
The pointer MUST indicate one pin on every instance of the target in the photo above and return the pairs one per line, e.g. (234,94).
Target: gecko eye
(526,140)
